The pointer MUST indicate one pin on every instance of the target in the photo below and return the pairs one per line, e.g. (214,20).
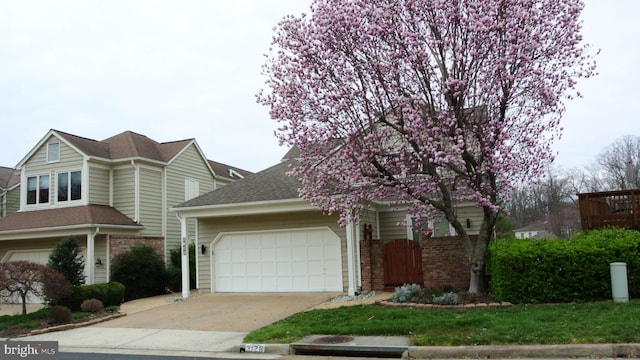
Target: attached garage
(300,260)
(36,256)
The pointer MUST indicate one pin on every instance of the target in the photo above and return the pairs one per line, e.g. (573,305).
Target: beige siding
(189,165)
(474,214)
(124,190)
(100,252)
(151,201)
(13,200)
(99,185)
(210,228)
(390,225)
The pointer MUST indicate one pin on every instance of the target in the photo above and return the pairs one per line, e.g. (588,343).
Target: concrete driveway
(215,312)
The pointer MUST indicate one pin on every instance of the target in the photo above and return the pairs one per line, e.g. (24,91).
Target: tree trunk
(24,303)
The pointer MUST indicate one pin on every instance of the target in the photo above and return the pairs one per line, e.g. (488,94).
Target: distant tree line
(554,198)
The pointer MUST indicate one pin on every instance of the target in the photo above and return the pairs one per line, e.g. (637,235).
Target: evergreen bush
(174,270)
(553,270)
(141,270)
(67,259)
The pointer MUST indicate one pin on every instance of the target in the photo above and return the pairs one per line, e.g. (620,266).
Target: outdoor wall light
(203,249)
(468,223)
(98,262)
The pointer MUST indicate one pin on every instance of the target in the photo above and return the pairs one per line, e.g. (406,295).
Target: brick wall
(372,265)
(444,263)
(119,244)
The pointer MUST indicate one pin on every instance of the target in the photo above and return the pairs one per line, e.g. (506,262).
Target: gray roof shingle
(267,185)
(100,215)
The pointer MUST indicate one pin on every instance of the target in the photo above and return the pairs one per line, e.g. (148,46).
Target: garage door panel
(278,261)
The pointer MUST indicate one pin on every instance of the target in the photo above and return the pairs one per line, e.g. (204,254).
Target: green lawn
(601,322)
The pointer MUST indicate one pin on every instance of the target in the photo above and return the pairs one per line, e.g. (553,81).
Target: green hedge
(544,270)
(111,293)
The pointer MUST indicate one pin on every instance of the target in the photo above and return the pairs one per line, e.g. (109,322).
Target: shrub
(141,270)
(536,271)
(405,293)
(174,269)
(448,298)
(109,294)
(92,305)
(67,259)
(60,314)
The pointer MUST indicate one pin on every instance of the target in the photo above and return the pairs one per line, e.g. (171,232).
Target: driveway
(215,312)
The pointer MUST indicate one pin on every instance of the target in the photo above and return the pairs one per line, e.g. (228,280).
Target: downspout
(185,256)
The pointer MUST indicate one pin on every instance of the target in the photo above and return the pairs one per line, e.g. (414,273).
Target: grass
(584,323)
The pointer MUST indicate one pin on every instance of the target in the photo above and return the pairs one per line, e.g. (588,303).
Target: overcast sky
(173,70)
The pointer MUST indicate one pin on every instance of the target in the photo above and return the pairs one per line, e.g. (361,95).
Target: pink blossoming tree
(424,103)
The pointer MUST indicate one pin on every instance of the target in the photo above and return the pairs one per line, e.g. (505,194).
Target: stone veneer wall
(119,244)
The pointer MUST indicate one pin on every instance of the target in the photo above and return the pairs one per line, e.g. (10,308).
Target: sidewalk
(112,338)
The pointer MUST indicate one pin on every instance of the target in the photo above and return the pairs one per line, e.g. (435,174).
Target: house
(258,235)
(108,194)
(9,191)
(536,230)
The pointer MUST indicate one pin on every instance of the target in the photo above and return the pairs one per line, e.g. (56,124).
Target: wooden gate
(402,263)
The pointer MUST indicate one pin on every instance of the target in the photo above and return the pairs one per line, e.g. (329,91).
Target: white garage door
(278,261)
(36,256)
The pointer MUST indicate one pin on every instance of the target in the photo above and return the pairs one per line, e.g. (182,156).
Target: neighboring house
(108,194)
(258,235)
(9,191)
(536,230)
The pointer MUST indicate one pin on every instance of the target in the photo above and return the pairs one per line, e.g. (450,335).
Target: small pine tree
(67,259)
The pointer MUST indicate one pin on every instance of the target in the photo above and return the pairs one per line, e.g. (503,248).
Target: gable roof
(271,184)
(126,145)
(93,215)
(6,176)
(228,171)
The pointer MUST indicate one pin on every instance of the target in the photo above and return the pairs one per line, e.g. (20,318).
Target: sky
(174,70)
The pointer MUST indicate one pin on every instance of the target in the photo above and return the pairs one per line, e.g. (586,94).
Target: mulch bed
(45,326)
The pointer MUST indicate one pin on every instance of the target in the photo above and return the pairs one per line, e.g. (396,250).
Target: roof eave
(54,231)
(246,208)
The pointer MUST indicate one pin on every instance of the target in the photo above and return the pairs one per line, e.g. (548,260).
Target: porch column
(90,263)
(351,257)
(185,257)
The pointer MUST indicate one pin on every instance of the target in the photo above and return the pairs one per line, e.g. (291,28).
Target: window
(191,189)
(38,189)
(69,186)
(53,152)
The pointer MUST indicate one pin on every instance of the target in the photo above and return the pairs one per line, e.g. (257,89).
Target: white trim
(247,208)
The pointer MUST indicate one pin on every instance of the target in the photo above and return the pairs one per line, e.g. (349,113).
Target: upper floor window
(69,186)
(191,189)
(53,152)
(38,189)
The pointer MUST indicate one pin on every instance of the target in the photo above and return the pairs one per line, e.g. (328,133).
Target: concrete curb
(526,351)
(493,352)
